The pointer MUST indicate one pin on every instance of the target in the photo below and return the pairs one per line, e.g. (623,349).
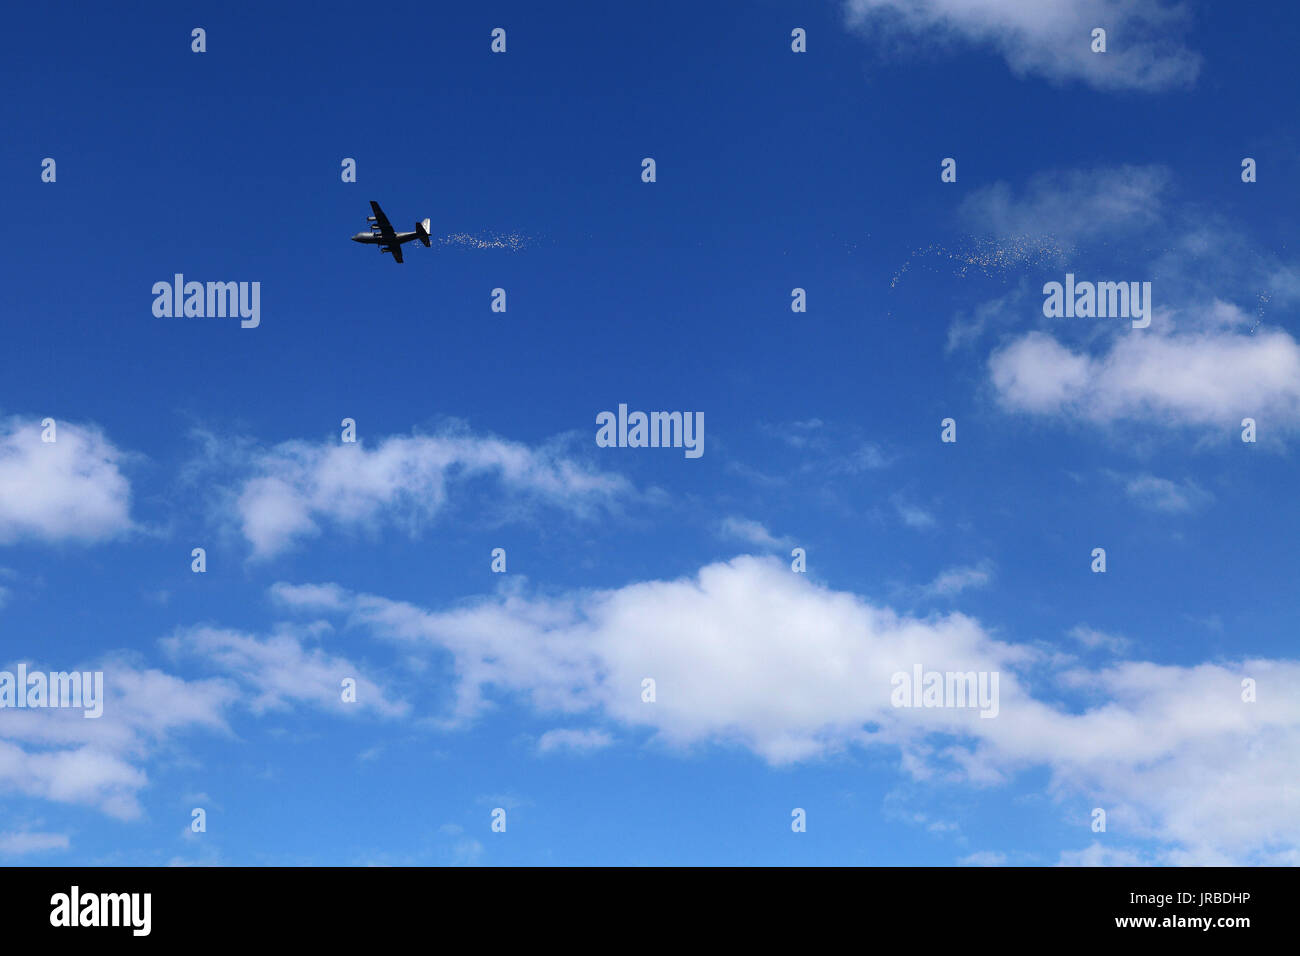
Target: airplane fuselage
(375,239)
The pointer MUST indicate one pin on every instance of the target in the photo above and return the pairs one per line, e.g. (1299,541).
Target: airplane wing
(381,221)
(396,250)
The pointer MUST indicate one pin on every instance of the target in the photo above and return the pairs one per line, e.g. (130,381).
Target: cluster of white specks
(1259,313)
(513,241)
(992,257)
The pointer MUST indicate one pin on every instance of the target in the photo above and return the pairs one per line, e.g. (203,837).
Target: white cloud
(1203,361)
(1050,38)
(66,490)
(914,516)
(1198,378)
(57,754)
(82,775)
(461,848)
(1162,494)
(751,532)
(1071,205)
(739,653)
(281,670)
(579,741)
(329,597)
(23,842)
(1037,373)
(404,481)
(1093,639)
(747,653)
(953,581)
(868,456)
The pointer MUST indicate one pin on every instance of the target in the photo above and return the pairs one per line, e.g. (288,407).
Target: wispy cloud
(1162,494)
(23,842)
(751,532)
(283,669)
(298,487)
(1093,639)
(1071,205)
(578,741)
(953,581)
(1048,38)
(913,515)
(830,449)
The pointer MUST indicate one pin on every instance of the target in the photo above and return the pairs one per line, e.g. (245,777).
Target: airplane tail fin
(422,232)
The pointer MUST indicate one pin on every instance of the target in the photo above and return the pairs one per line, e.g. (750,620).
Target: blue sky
(775,170)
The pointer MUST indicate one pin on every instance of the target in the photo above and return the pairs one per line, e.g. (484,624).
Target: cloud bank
(748,654)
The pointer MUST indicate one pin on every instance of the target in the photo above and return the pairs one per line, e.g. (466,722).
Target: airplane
(381,233)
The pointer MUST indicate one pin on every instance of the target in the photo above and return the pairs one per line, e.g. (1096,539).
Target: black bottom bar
(659,907)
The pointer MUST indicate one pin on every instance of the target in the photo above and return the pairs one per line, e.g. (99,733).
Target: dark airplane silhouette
(381,233)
